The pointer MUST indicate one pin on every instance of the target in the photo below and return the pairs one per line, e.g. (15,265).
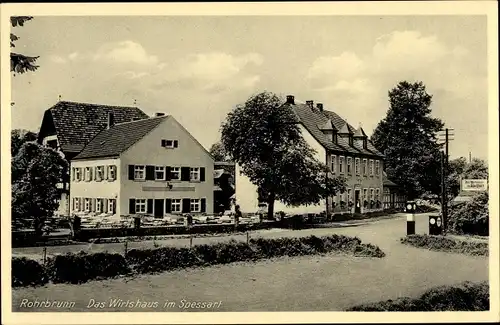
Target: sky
(198,68)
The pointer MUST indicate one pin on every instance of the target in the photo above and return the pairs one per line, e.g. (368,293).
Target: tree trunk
(270,206)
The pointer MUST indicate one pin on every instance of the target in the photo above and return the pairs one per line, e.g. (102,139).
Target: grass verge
(444,244)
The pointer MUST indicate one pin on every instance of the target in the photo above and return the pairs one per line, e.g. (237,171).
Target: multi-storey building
(150,166)
(346,150)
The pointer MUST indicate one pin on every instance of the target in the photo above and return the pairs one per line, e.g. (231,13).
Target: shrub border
(447,244)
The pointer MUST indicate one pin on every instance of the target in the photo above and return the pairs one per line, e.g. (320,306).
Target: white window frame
(140,205)
(349,194)
(370,167)
(365,194)
(193,204)
(98,205)
(341,164)
(99,173)
(194,171)
(87,205)
(365,167)
(169,146)
(140,169)
(372,194)
(111,171)
(377,194)
(377,167)
(111,205)
(176,170)
(78,174)
(333,164)
(76,204)
(160,169)
(88,174)
(349,165)
(357,169)
(176,205)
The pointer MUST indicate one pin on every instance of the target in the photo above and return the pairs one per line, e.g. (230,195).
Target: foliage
(471,217)
(36,170)
(445,244)
(407,137)
(218,152)
(18,138)
(20,63)
(263,137)
(26,272)
(461,169)
(466,296)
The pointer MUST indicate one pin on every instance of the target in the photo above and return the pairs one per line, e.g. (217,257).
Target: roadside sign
(432,221)
(476,185)
(438,222)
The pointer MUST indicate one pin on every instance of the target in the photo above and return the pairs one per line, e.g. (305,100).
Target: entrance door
(357,201)
(159,208)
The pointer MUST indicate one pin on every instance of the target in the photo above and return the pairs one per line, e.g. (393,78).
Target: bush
(26,272)
(444,244)
(471,217)
(466,296)
(82,267)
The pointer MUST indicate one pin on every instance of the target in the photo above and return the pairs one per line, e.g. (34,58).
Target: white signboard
(480,185)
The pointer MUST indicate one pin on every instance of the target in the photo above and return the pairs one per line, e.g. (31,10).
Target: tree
(407,137)
(18,137)
(20,63)
(218,152)
(36,171)
(461,169)
(262,136)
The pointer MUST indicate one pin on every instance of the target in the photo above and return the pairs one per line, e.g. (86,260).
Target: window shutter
(168,175)
(73,173)
(203,205)
(131,206)
(80,204)
(131,172)
(104,207)
(185,172)
(150,206)
(91,174)
(105,171)
(92,205)
(163,143)
(176,143)
(186,205)
(168,205)
(202,174)
(150,173)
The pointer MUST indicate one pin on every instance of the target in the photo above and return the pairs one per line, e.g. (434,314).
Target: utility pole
(447,134)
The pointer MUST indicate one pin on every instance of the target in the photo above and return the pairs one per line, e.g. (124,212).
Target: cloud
(125,52)
(58,59)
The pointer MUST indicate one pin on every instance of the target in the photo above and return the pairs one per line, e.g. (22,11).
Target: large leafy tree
(36,171)
(20,63)
(18,137)
(407,136)
(262,136)
(218,152)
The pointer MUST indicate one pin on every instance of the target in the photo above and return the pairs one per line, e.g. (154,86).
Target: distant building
(346,150)
(69,126)
(151,166)
(394,197)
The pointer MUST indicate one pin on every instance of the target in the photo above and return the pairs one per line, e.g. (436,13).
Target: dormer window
(351,140)
(365,143)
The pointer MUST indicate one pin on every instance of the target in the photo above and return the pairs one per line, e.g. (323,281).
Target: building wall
(104,189)
(148,151)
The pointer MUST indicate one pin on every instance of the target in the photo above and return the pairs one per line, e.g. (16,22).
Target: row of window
(166,173)
(369,167)
(372,194)
(158,207)
(97,173)
(97,205)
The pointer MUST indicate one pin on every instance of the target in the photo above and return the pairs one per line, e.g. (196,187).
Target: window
(76,204)
(87,204)
(377,167)
(349,165)
(99,173)
(371,167)
(111,205)
(111,172)
(169,143)
(341,165)
(139,172)
(140,206)
(365,167)
(195,205)
(88,174)
(377,195)
(78,174)
(160,173)
(98,205)
(52,144)
(194,174)
(356,166)
(175,173)
(372,195)
(176,205)
(349,196)
(365,194)
(333,164)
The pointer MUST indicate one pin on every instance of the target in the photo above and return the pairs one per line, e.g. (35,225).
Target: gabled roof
(360,133)
(77,123)
(386,181)
(115,140)
(346,129)
(327,126)
(314,120)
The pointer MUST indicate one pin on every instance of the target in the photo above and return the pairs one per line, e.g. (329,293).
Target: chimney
(290,99)
(159,114)
(111,119)
(320,107)
(310,103)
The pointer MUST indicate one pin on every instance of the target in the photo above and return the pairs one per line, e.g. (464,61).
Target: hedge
(466,296)
(83,267)
(446,244)
(471,217)
(27,272)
